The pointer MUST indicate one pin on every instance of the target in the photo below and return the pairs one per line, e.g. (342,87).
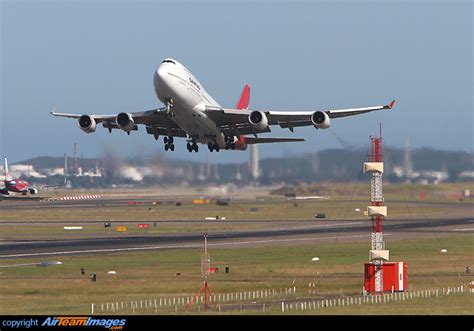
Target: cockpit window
(168,61)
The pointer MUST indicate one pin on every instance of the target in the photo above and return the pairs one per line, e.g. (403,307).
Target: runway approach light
(357,209)
(315,258)
(113,273)
(444,250)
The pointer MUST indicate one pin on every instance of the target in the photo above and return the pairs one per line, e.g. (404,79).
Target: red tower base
(394,277)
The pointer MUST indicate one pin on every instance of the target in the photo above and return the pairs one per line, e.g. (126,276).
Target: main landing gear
(229,142)
(213,146)
(192,146)
(169,145)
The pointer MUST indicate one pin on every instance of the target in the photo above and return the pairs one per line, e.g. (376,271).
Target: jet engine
(320,120)
(87,123)
(33,191)
(125,122)
(258,119)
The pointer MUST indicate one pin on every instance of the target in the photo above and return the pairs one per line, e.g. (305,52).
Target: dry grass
(62,290)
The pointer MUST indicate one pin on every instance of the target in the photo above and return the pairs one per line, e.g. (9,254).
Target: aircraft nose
(161,82)
(161,76)
(161,72)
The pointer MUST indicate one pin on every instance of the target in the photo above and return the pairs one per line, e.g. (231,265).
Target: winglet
(391,104)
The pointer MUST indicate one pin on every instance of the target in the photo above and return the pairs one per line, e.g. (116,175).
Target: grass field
(62,290)
(403,201)
(269,209)
(154,274)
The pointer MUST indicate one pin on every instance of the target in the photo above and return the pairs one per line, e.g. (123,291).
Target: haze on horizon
(99,57)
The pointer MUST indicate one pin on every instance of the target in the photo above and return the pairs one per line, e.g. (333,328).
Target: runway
(25,203)
(336,231)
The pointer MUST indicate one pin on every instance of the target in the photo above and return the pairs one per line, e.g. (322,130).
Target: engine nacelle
(125,122)
(258,119)
(33,190)
(87,123)
(320,120)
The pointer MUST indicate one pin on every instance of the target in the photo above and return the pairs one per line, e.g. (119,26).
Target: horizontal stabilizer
(252,140)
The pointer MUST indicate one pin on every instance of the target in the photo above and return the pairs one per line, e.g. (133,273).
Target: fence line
(233,301)
(175,302)
(370,299)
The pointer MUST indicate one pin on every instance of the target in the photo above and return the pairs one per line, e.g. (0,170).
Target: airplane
(15,185)
(20,186)
(190,112)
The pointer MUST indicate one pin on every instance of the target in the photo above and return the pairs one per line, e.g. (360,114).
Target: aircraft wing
(252,140)
(236,120)
(97,118)
(157,122)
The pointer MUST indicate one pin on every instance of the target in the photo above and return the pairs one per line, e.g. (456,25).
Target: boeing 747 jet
(190,112)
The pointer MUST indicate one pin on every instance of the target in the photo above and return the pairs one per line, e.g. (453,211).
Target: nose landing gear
(169,105)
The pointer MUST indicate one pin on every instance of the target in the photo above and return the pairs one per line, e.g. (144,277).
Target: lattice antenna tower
(377,211)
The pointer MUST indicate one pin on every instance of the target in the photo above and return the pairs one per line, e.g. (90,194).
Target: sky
(98,57)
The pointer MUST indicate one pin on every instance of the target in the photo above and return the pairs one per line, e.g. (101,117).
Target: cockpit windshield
(168,61)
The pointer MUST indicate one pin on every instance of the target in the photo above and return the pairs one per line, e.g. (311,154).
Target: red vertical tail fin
(243,103)
(244,100)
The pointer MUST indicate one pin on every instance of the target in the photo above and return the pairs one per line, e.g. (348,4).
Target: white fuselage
(173,81)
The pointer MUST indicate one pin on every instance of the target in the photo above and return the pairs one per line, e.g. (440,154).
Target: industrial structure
(380,275)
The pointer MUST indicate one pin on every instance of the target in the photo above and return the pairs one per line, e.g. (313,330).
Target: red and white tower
(380,275)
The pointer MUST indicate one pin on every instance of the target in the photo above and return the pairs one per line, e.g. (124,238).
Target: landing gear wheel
(196,147)
(166,147)
(229,145)
(211,148)
(172,147)
(165,140)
